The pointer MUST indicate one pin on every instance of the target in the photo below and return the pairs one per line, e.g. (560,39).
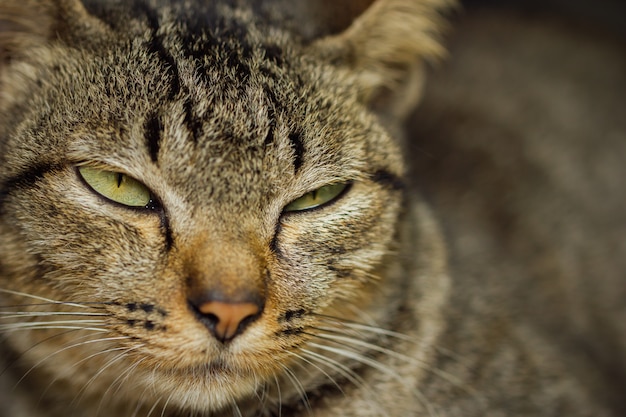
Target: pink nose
(228,319)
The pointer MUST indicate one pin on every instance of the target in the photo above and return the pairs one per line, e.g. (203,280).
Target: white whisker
(260,393)
(166,404)
(378,366)
(93,329)
(390,353)
(110,363)
(28,325)
(338,335)
(39,298)
(326,374)
(235,407)
(140,402)
(280,398)
(35,366)
(157,402)
(299,388)
(367,328)
(347,373)
(39,343)
(119,381)
(22,314)
(378,330)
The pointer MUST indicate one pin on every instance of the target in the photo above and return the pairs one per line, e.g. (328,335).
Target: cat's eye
(116,186)
(318,197)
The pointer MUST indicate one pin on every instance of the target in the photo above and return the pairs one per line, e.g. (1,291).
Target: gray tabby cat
(204,212)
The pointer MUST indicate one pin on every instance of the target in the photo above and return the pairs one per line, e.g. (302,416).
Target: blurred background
(607,15)
(519,145)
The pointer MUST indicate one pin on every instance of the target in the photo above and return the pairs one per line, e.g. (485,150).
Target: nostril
(225,319)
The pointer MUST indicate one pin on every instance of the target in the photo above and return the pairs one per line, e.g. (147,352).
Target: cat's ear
(386,45)
(23,24)
(28,24)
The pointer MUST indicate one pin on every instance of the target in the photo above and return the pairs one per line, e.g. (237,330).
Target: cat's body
(229,290)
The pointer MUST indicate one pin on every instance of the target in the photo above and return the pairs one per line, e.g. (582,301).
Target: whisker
(280,397)
(262,397)
(338,338)
(10,326)
(378,366)
(348,326)
(346,341)
(53,325)
(344,370)
(157,402)
(50,327)
(349,374)
(89,305)
(140,402)
(39,298)
(299,388)
(22,314)
(166,404)
(365,327)
(38,344)
(235,408)
(119,381)
(110,363)
(63,350)
(326,374)
(383,332)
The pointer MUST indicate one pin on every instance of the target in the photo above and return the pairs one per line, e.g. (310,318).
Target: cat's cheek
(345,241)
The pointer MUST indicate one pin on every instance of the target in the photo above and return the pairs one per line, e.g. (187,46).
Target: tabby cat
(204,211)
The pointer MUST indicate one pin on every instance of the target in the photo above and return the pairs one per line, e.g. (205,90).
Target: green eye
(317,197)
(116,186)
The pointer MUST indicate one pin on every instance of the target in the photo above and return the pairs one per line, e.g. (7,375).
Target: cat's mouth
(218,367)
(213,385)
(215,370)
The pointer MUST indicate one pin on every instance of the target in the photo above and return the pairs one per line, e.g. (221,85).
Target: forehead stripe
(193,122)
(155,46)
(153,131)
(295,138)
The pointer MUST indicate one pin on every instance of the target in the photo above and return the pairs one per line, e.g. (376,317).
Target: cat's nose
(225,319)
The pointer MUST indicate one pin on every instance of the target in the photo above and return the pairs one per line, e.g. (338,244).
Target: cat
(205,211)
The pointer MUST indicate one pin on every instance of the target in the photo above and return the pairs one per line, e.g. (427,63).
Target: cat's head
(210,190)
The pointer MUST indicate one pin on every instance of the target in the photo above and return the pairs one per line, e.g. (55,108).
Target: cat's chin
(202,389)
(213,384)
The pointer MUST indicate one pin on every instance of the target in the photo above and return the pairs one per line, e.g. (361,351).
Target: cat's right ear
(28,25)
(24,24)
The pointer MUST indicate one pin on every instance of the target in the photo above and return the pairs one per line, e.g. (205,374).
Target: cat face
(191,205)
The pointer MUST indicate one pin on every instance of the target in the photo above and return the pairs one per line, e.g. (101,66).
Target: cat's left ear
(386,46)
